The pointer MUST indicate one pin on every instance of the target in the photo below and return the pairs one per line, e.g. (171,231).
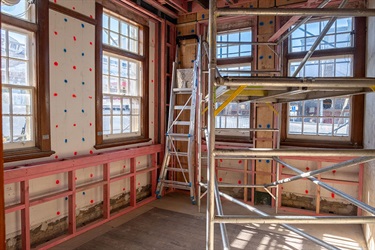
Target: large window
(123,107)
(18,87)
(26,131)
(326,117)
(234,115)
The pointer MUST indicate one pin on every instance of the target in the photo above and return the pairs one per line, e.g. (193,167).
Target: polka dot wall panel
(72,86)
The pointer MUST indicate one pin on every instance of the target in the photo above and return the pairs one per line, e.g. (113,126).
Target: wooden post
(133,188)
(106,191)
(72,202)
(25,214)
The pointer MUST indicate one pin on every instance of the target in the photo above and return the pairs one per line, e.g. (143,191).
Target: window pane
(116,106)
(341,126)
(3,70)
(126,124)
(135,106)
(124,68)
(126,106)
(105,65)
(18,73)
(133,32)
(105,36)
(114,67)
(309,126)
(107,105)
(105,21)
(21,102)
(124,43)
(18,10)
(4,51)
(325,126)
(114,85)
(20,129)
(114,39)
(18,45)
(106,125)
(124,29)
(6,129)
(295,125)
(105,84)
(116,124)
(114,24)
(6,101)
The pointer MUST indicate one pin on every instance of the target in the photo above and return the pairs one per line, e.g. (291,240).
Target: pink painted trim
(360,187)
(50,197)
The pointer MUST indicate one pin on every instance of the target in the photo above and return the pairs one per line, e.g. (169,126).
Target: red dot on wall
(239,181)
(283,166)
(91,16)
(74,8)
(152,80)
(123,189)
(239,161)
(139,183)
(55,1)
(56,63)
(90,97)
(306,191)
(307,168)
(221,160)
(74,125)
(124,166)
(220,179)
(75,153)
(57,182)
(74,96)
(55,32)
(75,178)
(57,126)
(152,60)
(91,175)
(92,201)
(58,212)
(334,171)
(90,124)
(333,195)
(74,38)
(55,94)
(91,152)
(90,43)
(56,156)
(74,67)
(282,188)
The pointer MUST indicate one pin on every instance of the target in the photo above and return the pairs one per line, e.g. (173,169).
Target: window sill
(25,154)
(320,144)
(121,142)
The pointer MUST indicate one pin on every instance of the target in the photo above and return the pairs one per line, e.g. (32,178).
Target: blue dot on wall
(261,57)
(66,81)
(66,198)
(83,111)
(65,110)
(66,140)
(83,83)
(269,57)
(65,19)
(82,25)
(83,139)
(83,193)
(261,23)
(271,22)
(83,54)
(65,50)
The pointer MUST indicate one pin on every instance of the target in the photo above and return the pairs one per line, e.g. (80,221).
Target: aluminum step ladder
(184,83)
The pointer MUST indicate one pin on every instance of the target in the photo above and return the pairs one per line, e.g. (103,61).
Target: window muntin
(328,117)
(121,96)
(122,81)
(340,35)
(335,66)
(121,34)
(228,50)
(18,87)
(23,10)
(234,115)
(323,117)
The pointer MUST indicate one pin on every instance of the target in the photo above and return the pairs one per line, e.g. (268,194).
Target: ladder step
(182,170)
(176,184)
(183,90)
(179,137)
(182,107)
(183,123)
(179,153)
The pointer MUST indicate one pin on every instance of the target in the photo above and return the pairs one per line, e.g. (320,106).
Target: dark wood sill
(25,154)
(320,144)
(121,142)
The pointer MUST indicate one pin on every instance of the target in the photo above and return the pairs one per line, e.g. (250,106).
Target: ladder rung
(183,123)
(185,170)
(183,90)
(182,107)
(179,153)
(179,137)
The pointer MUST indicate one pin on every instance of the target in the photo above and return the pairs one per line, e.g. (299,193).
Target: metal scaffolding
(213,192)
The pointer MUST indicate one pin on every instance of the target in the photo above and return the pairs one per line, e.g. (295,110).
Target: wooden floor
(172,223)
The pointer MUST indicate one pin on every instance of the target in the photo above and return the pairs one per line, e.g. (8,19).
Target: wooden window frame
(143,59)
(357,105)
(41,121)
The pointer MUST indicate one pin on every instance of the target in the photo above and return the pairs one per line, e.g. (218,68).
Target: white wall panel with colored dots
(85,7)
(72,85)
